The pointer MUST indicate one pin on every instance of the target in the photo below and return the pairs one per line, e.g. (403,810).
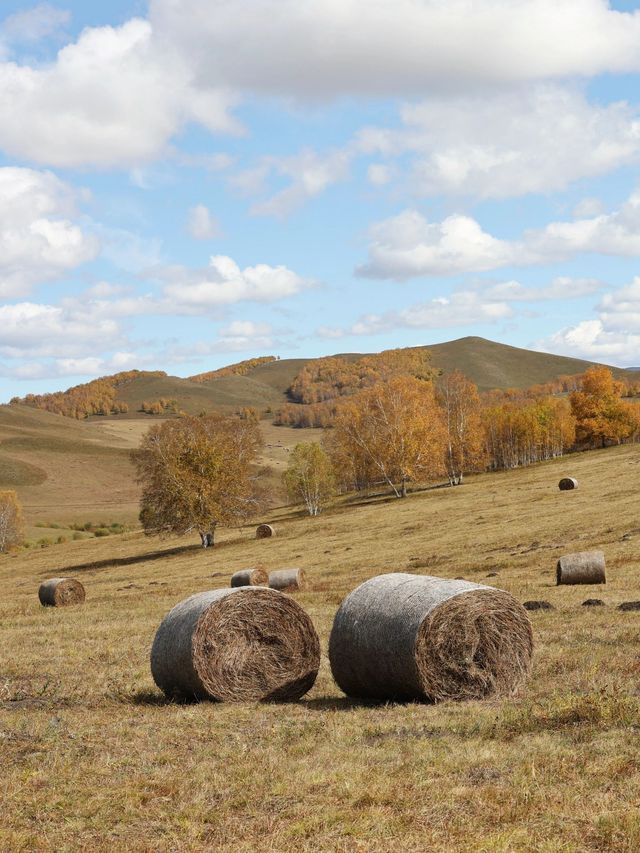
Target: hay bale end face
(402,637)
(265,531)
(584,567)
(60,592)
(567,484)
(250,577)
(287,580)
(537,605)
(236,645)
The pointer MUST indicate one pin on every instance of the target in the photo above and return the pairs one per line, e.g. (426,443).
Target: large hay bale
(584,567)
(401,636)
(59,592)
(567,483)
(236,645)
(250,577)
(287,580)
(265,531)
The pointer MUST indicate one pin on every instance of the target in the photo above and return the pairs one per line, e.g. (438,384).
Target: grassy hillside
(95,758)
(493,365)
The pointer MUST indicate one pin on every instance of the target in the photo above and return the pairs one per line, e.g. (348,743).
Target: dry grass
(93,758)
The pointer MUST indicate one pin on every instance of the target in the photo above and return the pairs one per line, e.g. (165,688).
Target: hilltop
(264,383)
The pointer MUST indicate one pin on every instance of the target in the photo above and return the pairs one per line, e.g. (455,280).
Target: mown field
(93,757)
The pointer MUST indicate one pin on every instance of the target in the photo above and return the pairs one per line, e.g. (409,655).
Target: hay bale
(629,605)
(287,580)
(584,567)
(593,602)
(401,636)
(265,531)
(567,483)
(537,605)
(250,577)
(59,592)
(236,645)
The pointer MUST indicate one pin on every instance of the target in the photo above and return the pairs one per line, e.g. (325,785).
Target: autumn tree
(11,521)
(392,432)
(309,478)
(602,416)
(197,473)
(465,447)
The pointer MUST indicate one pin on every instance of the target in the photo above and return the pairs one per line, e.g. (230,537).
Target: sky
(184,184)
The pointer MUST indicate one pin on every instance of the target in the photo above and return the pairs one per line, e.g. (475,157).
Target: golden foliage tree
(309,477)
(11,521)
(198,472)
(392,432)
(602,416)
(465,446)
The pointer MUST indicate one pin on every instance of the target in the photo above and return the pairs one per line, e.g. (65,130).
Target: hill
(93,757)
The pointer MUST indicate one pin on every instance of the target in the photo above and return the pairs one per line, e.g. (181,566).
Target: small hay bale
(250,577)
(566,484)
(584,567)
(537,605)
(287,580)
(401,637)
(236,645)
(593,602)
(629,605)
(265,531)
(60,592)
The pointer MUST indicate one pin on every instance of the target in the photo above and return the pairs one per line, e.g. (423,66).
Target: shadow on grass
(142,558)
(149,698)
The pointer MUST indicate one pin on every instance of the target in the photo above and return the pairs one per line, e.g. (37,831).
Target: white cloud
(224,283)
(114,97)
(408,246)
(509,144)
(373,47)
(38,240)
(32,25)
(587,207)
(202,224)
(561,287)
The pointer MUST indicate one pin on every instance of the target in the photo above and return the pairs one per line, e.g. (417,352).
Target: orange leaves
(460,403)
(239,369)
(602,416)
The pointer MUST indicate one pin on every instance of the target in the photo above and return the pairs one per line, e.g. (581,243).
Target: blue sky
(187,184)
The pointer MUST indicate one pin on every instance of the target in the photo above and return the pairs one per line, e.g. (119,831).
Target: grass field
(93,758)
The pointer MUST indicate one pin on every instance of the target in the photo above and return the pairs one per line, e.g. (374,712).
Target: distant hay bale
(583,567)
(236,645)
(537,605)
(593,602)
(59,592)
(250,577)
(401,637)
(629,605)
(287,580)
(567,483)
(265,531)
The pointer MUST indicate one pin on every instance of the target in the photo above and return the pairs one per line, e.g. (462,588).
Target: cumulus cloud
(114,97)
(408,246)
(32,25)
(372,47)
(508,144)
(38,239)
(202,224)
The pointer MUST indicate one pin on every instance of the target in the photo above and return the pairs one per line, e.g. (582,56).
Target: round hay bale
(629,605)
(537,605)
(265,531)
(593,602)
(59,592)
(584,567)
(250,577)
(236,645)
(401,636)
(567,483)
(287,580)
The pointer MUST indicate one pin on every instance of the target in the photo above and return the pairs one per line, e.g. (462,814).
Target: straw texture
(250,577)
(59,592)
(264,531)
(287,580)
(236,645)
(583,567)
(401,636)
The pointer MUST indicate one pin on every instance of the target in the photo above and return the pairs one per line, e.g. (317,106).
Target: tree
(602,416)
(196,473)
(309,477)
(460,403)
(11,521)
(391,432)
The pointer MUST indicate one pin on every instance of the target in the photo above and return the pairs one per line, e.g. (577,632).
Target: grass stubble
(94,758)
